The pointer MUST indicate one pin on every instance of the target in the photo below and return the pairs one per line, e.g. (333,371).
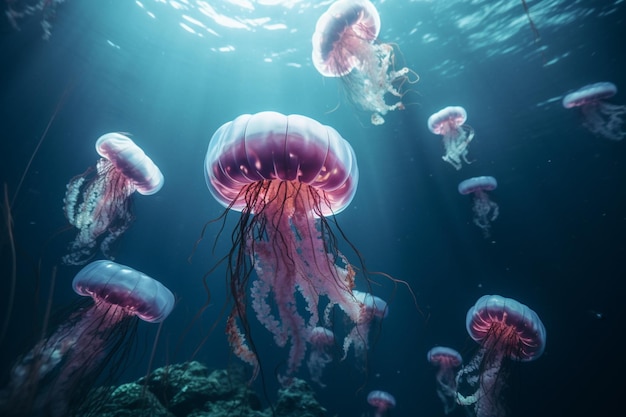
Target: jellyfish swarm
(54,377)
(382,401)
(373,308)
(285,174)
(345,45)
(446,359)
(601,118)
(321,340)
(98,202)
(449,123)
(485,210)
(506,330)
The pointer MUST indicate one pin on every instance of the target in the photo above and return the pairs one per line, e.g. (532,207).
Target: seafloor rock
(298,399)
(190,390)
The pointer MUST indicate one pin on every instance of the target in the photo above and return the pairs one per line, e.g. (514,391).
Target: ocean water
(172,72)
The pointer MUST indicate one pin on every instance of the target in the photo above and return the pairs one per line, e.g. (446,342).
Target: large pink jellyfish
(98,203)
(285,174)
(321,340)
(601,118)
(506,330)
(54,377)
(382,401)
(485,210)
(450,123)
(446,360)
(345,45)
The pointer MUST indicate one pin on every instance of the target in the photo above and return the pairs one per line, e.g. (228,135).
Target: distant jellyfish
(374,308)
(446,360)
(345,45)
(98,202)
(55,376)
(382,401)
(321,340)
(286,175)
(485,210)
(600,117)
(506,331)
(449,122)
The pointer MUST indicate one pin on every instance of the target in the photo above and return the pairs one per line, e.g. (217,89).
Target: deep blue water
(558,245)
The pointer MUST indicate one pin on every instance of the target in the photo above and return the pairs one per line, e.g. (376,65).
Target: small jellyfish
(446,359)
(55,376)
(98,202)
(485,210)
(450,123)
(506,330)
(321,340)
(346,45)
(372,308)
(601,118)
(382,401)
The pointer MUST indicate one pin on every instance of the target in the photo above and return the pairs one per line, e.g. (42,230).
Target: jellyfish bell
(342,34)
(55,376)
(124,288)
(382,401)
(447,119)
(475,184)
(345,45)
(444,357)
(98,202)
(285,174)
(507,326)
(131,161)
(485,210)
(589,94)
(449,122)
(600,117)
(374,306)
(506,330)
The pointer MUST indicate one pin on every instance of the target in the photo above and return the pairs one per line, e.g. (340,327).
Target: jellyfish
(373,308)
(53,378)
(321,340)
(98,202)
(485,210)
(506,330)
(450,123)
(286,175)
(446,359)
(601,118)
(345,45)
(382,401)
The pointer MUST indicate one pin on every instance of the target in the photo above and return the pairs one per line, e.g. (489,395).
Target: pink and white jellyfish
(382,401)
(345,45)
(98,202)
(446,360)
(449,122)
(506,331)
(54,377)
(321,340)
(600,117)
(285,174)
(485,210)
